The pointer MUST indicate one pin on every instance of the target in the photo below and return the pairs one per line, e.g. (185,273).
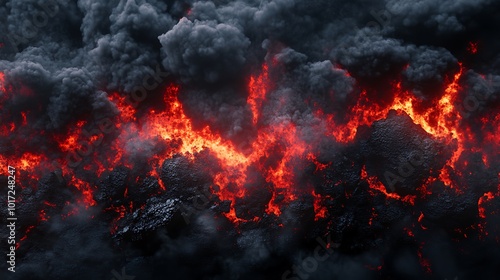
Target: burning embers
(385,160)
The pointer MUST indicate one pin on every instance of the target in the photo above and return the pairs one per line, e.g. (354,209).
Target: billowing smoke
(250,139)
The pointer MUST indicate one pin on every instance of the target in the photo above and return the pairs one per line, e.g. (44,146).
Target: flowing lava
(173,124)
(441,120)
(275,154)
(2,81)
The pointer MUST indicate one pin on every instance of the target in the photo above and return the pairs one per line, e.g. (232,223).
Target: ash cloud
(204,50)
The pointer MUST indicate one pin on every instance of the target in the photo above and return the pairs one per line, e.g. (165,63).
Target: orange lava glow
(86,190)
(70,143)
(319,166)
(276,152)
(441,120)
(320,210)
(2,82)
(420,219)
(257,88)
(486,197)
(172,124)
(472,47)
(375,184)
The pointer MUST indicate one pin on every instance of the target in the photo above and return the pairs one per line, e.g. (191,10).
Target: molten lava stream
(172,124)
(258,88)
(375,184)
(2,83)
(442,120)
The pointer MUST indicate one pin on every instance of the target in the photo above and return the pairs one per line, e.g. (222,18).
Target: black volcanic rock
(401,154)
(449,208)
(342,172)
(476,176)
(224,206)
(156,213)
(111,190)
(492,222)
(299,215)
(391,211)
(139,193)
(254,203)
(184,178)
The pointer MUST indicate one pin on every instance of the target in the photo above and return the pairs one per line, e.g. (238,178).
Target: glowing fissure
(441,120)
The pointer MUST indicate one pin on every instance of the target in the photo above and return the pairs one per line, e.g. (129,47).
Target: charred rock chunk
(183,178)
(157,213)
(254,204)
(451,209)
(112,189)
(401,154)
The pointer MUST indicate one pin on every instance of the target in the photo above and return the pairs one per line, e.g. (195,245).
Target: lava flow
(275,153)
(173,124)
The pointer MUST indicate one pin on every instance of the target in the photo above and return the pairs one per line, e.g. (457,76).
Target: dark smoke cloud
(428,68)
(443,16)
(62,59)
(204,50)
